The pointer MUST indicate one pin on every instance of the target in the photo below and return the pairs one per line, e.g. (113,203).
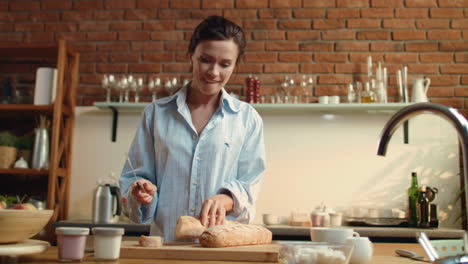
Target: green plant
(7,139)
(24,142)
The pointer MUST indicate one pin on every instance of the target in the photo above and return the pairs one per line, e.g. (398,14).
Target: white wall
(312,158)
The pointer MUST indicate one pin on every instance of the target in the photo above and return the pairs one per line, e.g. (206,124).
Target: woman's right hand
(146,195)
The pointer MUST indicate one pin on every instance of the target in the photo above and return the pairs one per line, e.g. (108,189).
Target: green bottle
(413,192)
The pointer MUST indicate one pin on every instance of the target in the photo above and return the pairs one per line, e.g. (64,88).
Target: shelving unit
(116,107)
(53,183)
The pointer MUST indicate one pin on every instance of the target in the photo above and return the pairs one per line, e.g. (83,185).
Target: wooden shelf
(24,171)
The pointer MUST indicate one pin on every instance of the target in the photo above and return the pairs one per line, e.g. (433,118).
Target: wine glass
(137,86)
(168,87)
(122,86)
(105,84)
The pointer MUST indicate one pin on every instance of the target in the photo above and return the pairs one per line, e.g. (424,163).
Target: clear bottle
(413,192)
(367,95)
(351,93)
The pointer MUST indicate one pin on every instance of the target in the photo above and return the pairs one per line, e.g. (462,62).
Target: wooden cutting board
(28,246)
(258,253)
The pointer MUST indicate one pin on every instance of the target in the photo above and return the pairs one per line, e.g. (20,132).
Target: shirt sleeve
(251,167)
(141,154)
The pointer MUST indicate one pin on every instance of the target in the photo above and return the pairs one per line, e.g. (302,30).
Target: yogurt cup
(71,243)
(107,242)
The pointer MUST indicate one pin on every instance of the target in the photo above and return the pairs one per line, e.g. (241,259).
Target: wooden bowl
(17,225)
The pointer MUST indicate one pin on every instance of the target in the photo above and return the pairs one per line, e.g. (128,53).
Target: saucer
(28,246)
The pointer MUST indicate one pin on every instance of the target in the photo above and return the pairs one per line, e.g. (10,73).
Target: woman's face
(213,63)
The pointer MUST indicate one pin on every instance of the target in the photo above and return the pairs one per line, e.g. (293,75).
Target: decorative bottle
(412,192)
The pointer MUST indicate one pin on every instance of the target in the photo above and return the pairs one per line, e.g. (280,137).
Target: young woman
(199,152)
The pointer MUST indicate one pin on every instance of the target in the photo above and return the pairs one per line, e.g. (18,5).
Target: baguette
(150,241)
(190,227)
(235,235)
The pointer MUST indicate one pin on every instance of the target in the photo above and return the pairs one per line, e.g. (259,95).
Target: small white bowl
(270,219)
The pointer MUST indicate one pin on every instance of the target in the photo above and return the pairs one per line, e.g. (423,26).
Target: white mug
(334,99)
(331,235)
(323,99)
(335,219)
(363,250)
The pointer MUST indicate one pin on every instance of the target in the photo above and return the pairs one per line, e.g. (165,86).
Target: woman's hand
(144,196)
(213,211)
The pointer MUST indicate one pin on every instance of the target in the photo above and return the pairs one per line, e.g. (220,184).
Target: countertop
(384,253)
(291,232)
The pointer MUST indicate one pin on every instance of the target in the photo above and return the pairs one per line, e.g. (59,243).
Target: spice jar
(71,243)
(107,242)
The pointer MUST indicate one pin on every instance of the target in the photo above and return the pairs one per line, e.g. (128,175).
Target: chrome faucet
(450,114)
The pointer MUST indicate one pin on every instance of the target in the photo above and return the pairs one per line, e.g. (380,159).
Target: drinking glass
(105,84)
(154,86)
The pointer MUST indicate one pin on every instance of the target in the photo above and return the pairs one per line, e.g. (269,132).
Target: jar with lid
(107,242)
(71,243)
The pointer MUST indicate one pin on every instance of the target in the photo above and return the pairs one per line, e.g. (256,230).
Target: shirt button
(195,182)
(192,210)
(197,158)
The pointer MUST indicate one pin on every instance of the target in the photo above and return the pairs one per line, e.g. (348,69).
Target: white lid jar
(107,242)
(71,243)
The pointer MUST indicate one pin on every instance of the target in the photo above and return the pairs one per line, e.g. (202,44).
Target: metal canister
(41,149)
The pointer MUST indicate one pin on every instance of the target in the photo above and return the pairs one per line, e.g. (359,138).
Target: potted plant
(8,149)
(24,144)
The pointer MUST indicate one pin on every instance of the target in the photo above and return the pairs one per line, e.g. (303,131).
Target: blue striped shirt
(188,168)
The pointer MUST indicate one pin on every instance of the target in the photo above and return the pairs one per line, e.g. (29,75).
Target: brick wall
(329,39)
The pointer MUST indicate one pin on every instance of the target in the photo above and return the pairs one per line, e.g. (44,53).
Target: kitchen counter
(286,232)
(384,253)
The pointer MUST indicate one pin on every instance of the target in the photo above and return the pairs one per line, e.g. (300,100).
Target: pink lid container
(71,243)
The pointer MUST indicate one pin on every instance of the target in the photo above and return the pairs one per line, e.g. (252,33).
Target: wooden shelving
(24,172)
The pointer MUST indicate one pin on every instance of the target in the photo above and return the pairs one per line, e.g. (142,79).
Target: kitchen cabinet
(52,184)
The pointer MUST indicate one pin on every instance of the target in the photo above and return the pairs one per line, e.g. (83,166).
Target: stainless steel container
(104,207)
(41,149)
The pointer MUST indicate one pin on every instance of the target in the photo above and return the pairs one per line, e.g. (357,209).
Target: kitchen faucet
(450,114)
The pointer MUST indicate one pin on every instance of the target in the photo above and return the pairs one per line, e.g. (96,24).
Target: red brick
(174,13)
(363,23)
(158,56)
(218,4)
(342,13)
(352,3)
(440,80)
(55,5)
(181,56)
(159,25)
(88,4)
(432,23)
(318,3)
(119,4)
(76,15)
(465,34)
(444,34)
(352,46)
(440,91)
(134,36)
(60,27)
(14,17)
(461,57)
(328,23)
(309,13)
(271,13)
(6,27)
(101,36)
(398,23)
(454,46)
(452,102)
(423,68)
(446,13)
(316,46)
(317,68)
(401,58)
(3,6)
(422,47)
(386,3)
(461,91)
(385,46)
(409,35)
(464,80)
(282,45)
(167,35)
(85,47)
(250,68)
(176,67)
(44,16)
(268,35)
(111,68)
(251,4)
(453,3)
(377,13)
(146,45)
(260,57)
(411,13)
(202,14)
(187,24)
(113,47)
(335,79)
(436,57)
(361,57)
(94,57)
(460,23)
(152,3)
(350,68)
(294,57)
(303,35)
(330,57)
(329,89)
(285,3)
(124,57)
(294,24)
(71,36)
(281,67)
(184,4)
(145,67)
(458,68)
(175,45)
(373,35)
(260,24)
(29,27)
(93,26)
(125,26)
(36,37)
(108,15)
(90,67)
(421,3)
(140,14)
(240,13)
(25,5)
(341,34)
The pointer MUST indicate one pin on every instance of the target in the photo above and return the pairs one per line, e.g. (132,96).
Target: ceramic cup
(363,250)
(335,219)
(323,99)
(334,99)
(270,219)
(331,235)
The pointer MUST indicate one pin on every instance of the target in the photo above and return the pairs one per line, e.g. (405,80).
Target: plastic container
(71,243)
(107,242)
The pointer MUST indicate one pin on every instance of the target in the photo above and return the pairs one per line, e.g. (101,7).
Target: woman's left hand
(213,211)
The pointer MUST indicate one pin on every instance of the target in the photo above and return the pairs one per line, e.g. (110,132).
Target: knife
(134,174)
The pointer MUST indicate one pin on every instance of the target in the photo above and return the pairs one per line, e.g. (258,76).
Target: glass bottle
(423,202)
(412,192)
(367,96)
